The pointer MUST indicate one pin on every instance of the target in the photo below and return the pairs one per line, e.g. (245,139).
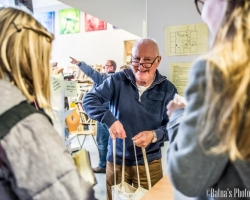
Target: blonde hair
(227,102)
(25,51)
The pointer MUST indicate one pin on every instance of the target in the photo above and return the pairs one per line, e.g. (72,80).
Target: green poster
(69,21)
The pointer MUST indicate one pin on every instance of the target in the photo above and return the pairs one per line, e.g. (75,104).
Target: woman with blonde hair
(34,163)
(209,154)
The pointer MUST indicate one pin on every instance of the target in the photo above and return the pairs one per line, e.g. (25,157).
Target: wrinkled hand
(116,130)
(143,138)
(74,61)
(174,105)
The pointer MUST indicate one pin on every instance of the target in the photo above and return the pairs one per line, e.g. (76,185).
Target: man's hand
(173,105)
(74,61)
(117,131)
(143,138)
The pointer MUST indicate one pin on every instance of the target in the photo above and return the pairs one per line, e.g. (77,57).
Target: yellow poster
(56,84)
(186,39)
(179,75)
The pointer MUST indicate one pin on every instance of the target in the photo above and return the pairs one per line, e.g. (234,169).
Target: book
(84,117)
(80,96)
(83,164)
(85,127)
(80,108)
(180,99)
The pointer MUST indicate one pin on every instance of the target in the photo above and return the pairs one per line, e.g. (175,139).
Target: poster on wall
(26,3)
(94,24)
(47,19)
(69,20)
(179,75)
(186,39)
(56,84)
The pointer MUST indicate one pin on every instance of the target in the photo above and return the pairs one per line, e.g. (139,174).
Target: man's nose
(140,65)
(141,60)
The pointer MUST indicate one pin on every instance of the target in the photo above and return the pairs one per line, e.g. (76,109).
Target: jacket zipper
(139,99)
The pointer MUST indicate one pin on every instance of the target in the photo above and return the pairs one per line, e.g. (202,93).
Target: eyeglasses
(199,4)
(145,65)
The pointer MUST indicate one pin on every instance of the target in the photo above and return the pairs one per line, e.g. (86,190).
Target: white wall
(6,2)
(92,47)
(163,13)
(160,14)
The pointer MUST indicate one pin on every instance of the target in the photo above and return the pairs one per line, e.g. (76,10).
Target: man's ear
(159,59)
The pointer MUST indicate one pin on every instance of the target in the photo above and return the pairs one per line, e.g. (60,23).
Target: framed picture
(94,24)
(69,20)
(47,19)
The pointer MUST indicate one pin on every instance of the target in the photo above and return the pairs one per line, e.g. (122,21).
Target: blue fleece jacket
(148,113)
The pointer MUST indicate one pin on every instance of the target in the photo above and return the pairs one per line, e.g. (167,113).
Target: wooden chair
(73,122)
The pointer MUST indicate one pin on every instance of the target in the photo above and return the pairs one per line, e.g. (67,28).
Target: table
(161,190)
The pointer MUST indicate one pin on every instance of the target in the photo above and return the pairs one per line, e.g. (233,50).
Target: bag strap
(114,159)
(137,168)
(123,161)
(12,116)
(146,167)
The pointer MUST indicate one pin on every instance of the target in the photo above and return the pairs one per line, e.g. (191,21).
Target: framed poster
(186,39)
(179,72)
(94,24)
(69,20)
(47,19)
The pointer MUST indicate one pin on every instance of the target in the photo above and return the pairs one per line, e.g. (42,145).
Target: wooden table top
(82,132)
(160,191)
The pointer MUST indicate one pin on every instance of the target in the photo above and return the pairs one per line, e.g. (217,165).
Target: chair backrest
(72,121)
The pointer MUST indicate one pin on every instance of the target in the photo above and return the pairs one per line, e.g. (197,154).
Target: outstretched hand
(74,61)
(117,131)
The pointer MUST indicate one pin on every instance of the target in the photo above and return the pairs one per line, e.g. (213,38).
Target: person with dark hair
(138,98)
(34,162)
(102,131)
(209,154)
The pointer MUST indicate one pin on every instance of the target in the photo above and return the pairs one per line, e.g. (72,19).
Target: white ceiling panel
(45,3)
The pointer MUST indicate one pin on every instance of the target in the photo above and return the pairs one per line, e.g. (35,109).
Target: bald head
(149,45)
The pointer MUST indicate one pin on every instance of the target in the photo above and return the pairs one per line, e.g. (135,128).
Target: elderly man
(138,99)
(102,131)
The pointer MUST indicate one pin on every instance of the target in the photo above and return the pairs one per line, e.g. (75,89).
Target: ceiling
(45,3)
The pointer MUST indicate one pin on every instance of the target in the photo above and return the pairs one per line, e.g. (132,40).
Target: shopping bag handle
(146,166)
(137,168)
(114,159)
(123,161)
